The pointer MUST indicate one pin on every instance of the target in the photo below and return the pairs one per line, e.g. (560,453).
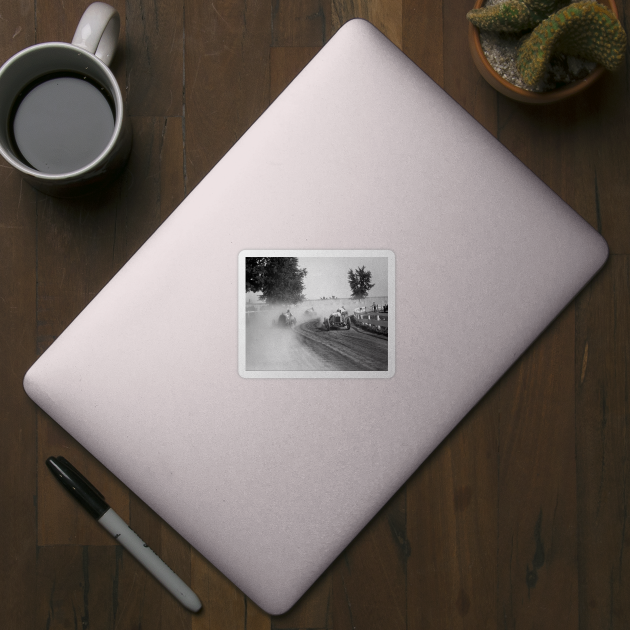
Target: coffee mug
(62,114)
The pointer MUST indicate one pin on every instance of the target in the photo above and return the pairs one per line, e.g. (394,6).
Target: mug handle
(98,30)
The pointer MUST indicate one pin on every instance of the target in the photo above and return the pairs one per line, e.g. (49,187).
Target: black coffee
(61,123)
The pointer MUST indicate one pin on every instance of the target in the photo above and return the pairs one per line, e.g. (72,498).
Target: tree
(359,281)
(254,274)
(280,280)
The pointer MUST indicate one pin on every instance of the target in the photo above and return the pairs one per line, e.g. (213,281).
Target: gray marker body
(149,559)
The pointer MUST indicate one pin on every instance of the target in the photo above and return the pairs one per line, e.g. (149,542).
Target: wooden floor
(518,520)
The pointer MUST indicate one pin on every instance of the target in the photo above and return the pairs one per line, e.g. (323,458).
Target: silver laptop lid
(271,477)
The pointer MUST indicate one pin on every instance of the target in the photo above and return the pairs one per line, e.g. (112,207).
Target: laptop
(316,316)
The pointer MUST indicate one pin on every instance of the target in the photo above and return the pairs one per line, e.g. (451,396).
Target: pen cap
(78,486)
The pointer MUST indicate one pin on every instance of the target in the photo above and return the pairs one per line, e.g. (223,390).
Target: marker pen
(94,502)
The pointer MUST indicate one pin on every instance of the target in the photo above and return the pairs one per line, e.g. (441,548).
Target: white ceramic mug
(87,57)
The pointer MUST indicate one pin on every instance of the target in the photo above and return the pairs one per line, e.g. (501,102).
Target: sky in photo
(328,276)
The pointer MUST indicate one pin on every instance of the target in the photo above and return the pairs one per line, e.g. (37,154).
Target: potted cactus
(558,49)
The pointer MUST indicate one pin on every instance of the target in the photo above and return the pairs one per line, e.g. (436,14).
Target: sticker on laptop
(316,313)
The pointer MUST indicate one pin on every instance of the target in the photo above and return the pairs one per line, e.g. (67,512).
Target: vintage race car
(339,319)
(286,320)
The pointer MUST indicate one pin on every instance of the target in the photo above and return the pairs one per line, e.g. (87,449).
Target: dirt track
(309,347)
(341,349)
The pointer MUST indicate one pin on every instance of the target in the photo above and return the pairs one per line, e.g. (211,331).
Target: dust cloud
(270,346)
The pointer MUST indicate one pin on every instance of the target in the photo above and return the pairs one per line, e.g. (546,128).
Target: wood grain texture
(452,515)
(154,57)
(17,28)
(386,15)
(537,510)
(300,23)
(519,519)
(369,577)
(76,587)
(226,78)
(609,134)
(18,416)
(151,187)
(602,380)
(422,36)
(461,79)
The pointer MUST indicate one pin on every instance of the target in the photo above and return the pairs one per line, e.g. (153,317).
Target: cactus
(513,16)
(584,29)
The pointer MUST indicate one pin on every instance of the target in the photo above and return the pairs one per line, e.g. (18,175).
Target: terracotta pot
(518,94)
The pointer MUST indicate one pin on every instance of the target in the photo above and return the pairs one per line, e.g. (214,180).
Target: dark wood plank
(226,78)
(369,577)
(422,36)
(74,245)
(18,416)
(608,135)
(461,78)
(300,23)
(386,15)
(537,537)
(603,443)
(17,28)
(152,185)
(608,125)
(18,422)
(452,527)
(76,587)
(154,57)
(171,159)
